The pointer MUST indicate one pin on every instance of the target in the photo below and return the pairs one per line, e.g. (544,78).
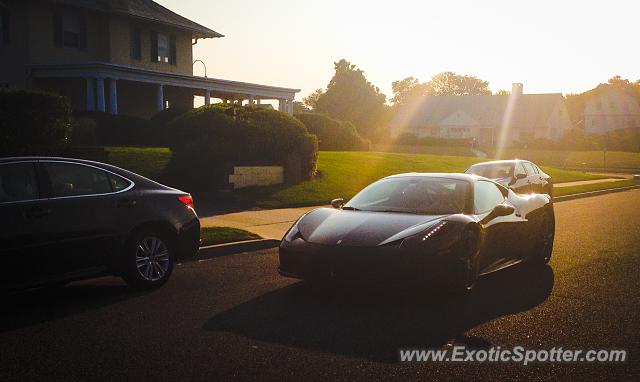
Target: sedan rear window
(118,183)
(492,170)
(68,179)
(18,182)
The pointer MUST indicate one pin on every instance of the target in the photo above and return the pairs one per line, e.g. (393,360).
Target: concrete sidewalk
(274,223)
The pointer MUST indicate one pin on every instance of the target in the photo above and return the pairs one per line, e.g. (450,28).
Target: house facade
(521,117)
(119,56)
(610,109)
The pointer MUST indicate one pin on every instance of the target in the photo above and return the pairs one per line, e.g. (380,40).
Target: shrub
(122,130)
(332,134)
(83,132)
(207,142)
(33,123)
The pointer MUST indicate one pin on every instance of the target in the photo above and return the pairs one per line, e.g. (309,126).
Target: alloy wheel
(152,258)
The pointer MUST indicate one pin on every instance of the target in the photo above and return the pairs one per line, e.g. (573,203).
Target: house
(607,109)
(483,117)
(119,56)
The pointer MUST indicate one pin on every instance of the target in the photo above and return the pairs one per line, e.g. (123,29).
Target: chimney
(516,89)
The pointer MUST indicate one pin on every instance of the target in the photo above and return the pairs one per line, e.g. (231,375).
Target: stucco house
(526,116)
(119,56)
(610,109)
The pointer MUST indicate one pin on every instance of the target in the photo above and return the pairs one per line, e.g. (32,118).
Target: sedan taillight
(187,200)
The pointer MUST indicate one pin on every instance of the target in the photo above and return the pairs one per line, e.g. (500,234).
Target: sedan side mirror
(337,203)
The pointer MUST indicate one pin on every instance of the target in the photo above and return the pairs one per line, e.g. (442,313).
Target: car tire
(544,246)
(467,271)
(149,258)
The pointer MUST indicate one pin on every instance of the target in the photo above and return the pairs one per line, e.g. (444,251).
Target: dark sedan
(415,226)
(521,176)
(68,219)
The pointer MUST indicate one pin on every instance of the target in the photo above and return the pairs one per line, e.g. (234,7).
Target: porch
(120,89)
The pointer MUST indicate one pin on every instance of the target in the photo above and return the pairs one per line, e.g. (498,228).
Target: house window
(4,25)
(163,48)
(70,30)
(136,44)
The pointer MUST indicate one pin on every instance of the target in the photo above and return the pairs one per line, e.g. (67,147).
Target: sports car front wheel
(546,235)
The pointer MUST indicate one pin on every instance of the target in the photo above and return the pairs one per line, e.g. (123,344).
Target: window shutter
(57,29)
(154,46)
(82,21)
(4,13)
(172,50)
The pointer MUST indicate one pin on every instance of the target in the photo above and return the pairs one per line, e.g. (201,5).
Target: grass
(146,161)
(343,174)
(560,191)
(220,235)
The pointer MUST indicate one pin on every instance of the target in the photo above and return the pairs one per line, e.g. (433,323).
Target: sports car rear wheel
(469,263)
(544,247)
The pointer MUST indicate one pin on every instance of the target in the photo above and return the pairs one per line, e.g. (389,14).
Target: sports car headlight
(292,234)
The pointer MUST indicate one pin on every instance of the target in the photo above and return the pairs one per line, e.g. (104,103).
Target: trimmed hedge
(333,135)
(207,142)
(121,130)
(33,123)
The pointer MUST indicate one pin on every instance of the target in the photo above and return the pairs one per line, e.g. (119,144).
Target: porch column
(281,104)
(91,102)
(290,106)
(258,101)
(100,94)
(113,96)
(250,99)
(207,97)
(159,97)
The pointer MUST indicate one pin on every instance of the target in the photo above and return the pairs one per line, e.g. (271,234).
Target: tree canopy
(350,97)
(445,83)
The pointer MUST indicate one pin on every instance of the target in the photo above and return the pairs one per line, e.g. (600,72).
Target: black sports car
(519,175)
(414,226)
(67,219)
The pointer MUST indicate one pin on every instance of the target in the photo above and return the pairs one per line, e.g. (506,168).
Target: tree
(450,83)
(407,89)
(299,107)
(350,97)
(312,99)
(503,92)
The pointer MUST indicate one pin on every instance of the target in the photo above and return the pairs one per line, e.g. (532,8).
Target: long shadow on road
(374,324)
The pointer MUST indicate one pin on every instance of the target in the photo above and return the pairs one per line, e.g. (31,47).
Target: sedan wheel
(149,259)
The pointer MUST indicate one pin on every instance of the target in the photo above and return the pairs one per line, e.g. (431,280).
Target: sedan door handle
(37,212)
(126,203)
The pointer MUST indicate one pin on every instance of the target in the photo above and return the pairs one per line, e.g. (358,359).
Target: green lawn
(560,191)
(343,174)
(576,159)
(220,235)
(146,161)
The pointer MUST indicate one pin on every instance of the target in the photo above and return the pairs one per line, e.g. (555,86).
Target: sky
(550,46)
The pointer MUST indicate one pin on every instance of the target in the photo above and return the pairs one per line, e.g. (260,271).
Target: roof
(145,10)
(530,111)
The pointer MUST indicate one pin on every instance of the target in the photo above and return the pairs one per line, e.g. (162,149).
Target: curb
(211,251)
(592,193)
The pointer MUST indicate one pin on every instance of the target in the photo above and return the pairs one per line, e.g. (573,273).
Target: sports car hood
(329,226)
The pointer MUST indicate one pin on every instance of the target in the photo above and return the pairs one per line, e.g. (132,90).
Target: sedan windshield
(492,170)
(413,194)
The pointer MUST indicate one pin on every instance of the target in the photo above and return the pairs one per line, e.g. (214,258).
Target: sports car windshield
(492,170)
(413,194)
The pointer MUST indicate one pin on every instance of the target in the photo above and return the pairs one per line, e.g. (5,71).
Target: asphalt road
(233,317)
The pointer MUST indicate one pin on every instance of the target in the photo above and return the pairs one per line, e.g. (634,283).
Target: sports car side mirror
(499,210)
(337,203)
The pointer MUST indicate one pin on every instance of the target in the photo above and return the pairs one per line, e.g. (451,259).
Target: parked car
(519,175)
(68,219)
(410,227)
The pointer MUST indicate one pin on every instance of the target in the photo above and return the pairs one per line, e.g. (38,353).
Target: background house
(120,56)
(609,109)
(527,116)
